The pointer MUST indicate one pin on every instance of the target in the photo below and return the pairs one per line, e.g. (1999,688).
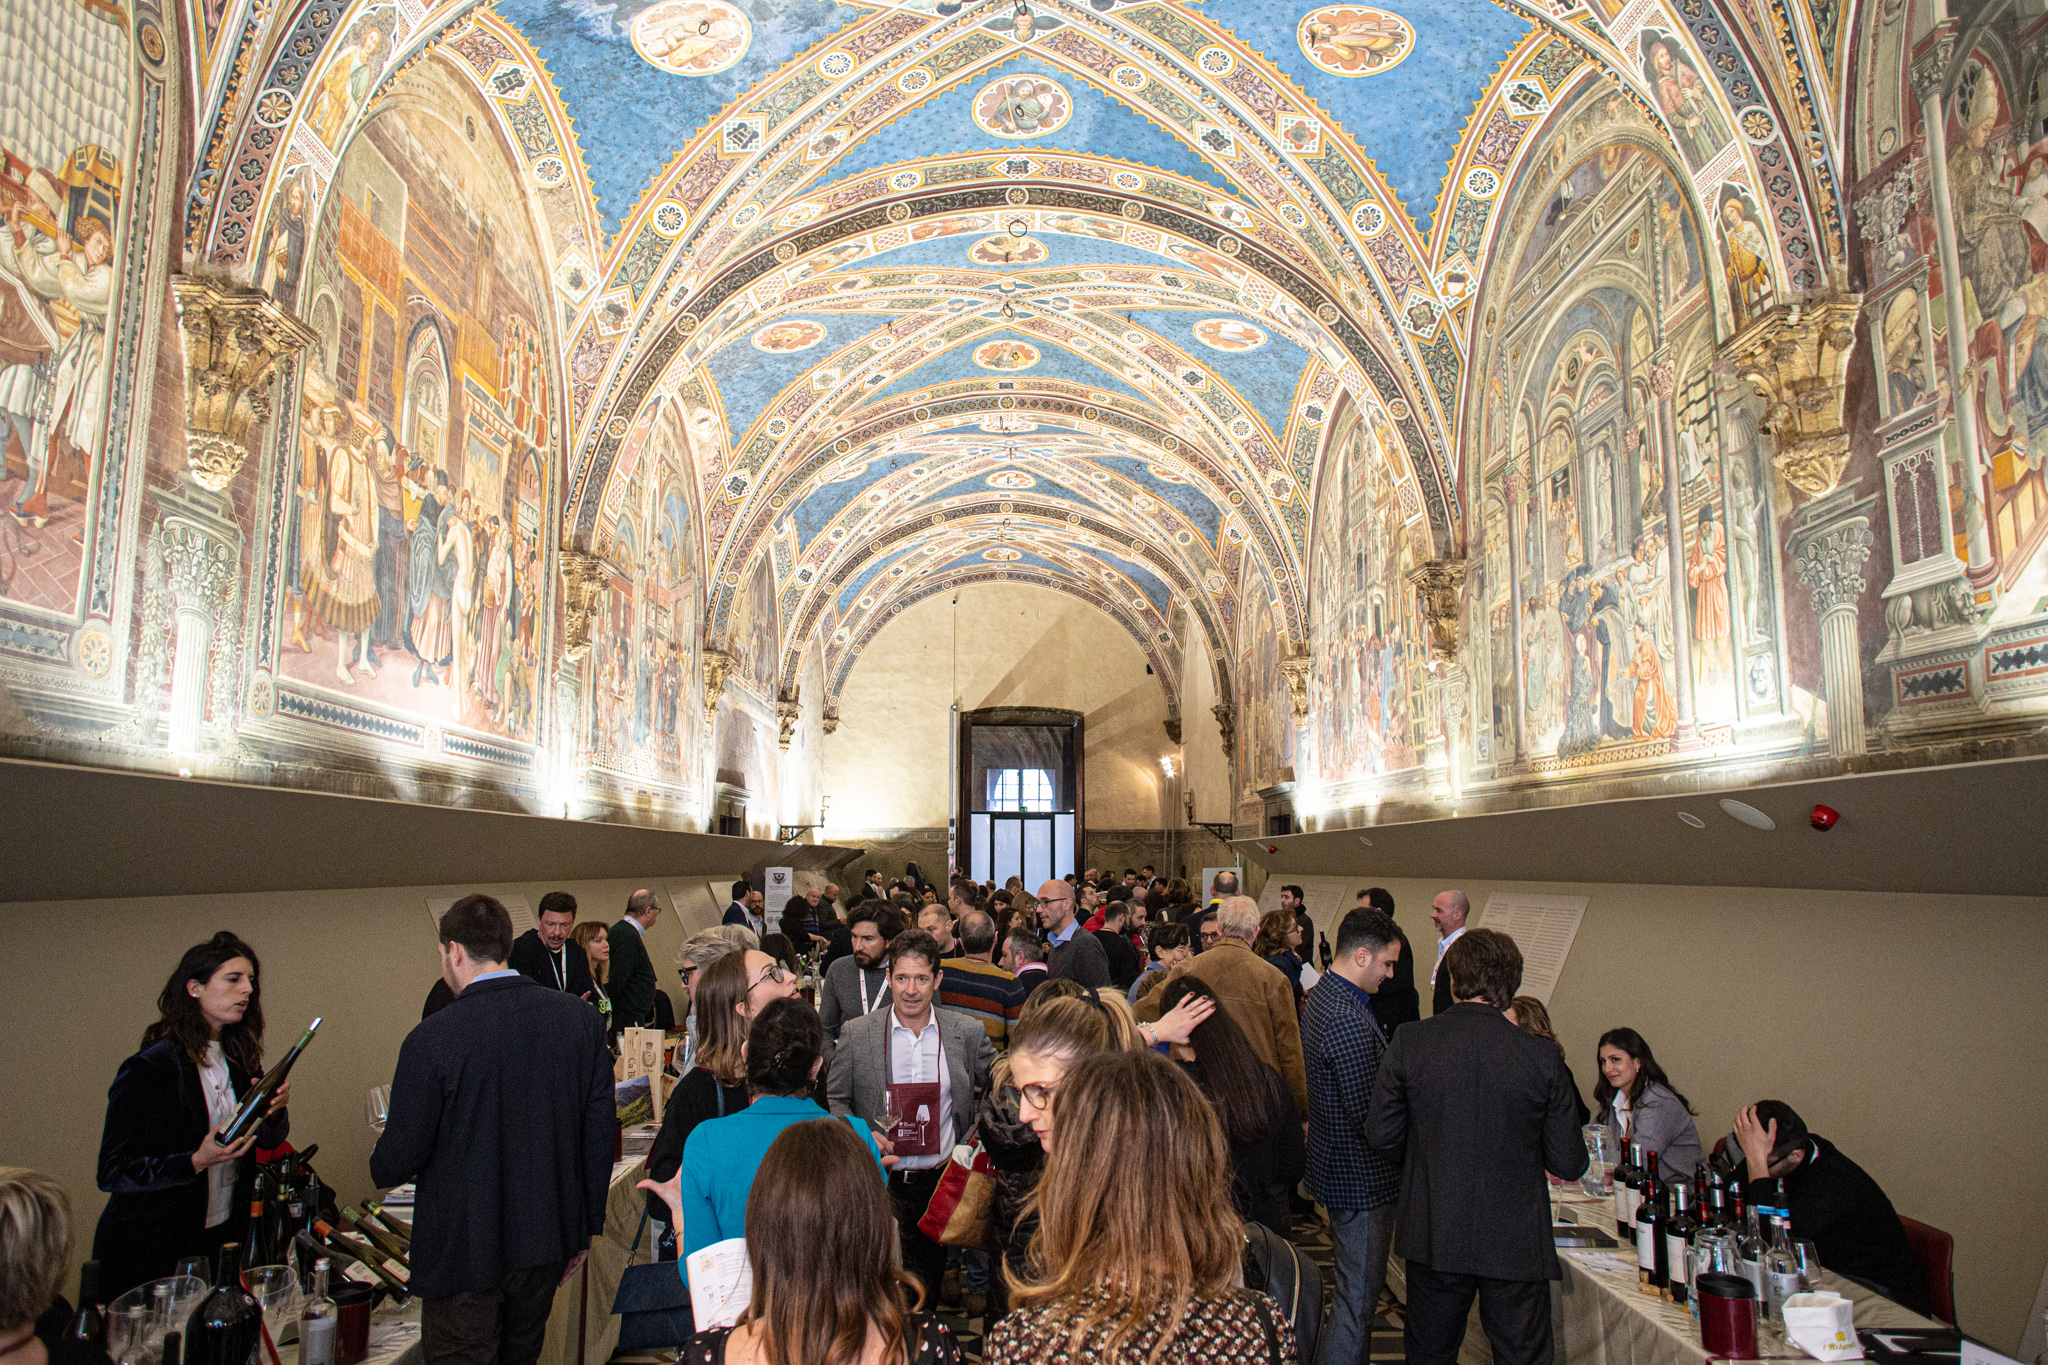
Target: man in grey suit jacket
(903,1045)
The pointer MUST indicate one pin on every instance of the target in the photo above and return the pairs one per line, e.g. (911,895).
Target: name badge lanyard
(559,961)
(860,973)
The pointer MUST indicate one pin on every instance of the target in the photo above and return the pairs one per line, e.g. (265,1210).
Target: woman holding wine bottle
(1638,1103)
(176,1191)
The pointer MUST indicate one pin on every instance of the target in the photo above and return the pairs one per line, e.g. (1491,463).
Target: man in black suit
(548,954)
(502,1111)
(1398,1002)
(1476,1111)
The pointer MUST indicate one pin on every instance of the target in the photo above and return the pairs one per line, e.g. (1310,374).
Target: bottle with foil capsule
(1649,1232)
(1678,1233)
(1628,1179)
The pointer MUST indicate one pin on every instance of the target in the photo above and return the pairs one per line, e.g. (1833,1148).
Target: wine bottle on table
(379,1236)
(318,1320)
(367,1257)
(1678,1235)
(1627,1176)
(1749,1251)
(225,1327)
(1648,1233)
(397,1227)
(253,1247)
(1323,950)
(89,1323)
(258,1098)
(1781,1270)
(174,1348)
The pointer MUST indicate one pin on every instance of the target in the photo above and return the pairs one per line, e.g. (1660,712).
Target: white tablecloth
(1598,1317)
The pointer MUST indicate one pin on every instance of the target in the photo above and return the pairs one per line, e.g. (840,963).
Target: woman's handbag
(653,1303)
(958,1215)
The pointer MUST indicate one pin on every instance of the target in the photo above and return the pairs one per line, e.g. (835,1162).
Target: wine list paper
(721,1283)
(1543,927)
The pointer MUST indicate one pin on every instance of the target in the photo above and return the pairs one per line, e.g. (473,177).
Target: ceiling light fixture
(1747,814)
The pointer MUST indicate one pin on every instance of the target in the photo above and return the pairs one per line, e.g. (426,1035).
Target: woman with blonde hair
(35,1250)
(1128,1271)
(595,941)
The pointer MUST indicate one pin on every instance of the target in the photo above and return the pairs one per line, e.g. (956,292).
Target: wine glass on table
(276,1288)
(378,1107)
(198,1267)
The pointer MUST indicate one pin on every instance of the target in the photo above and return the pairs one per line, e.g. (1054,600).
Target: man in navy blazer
(502,1111)
(1476,1111)
(745,909)
(1342,1045)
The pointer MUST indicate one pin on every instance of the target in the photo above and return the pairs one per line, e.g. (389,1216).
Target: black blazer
(1398,1002)
(502,1110)
(1476,1111)
(530,958)
(156,1119)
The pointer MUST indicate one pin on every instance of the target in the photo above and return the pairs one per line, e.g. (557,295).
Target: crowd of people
(1148,1075)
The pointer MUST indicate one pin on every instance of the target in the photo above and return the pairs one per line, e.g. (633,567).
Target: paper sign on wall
(1543,927)
(775,896)
(1209,881)
(518,907)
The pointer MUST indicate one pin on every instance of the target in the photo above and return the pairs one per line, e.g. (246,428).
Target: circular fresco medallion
(1022,106)
(1006,353)
(692,37)
(1229,334)
(1003,249)
(1355,40)
(796,334)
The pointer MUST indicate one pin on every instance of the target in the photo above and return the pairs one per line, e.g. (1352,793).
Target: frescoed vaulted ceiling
(1062,290)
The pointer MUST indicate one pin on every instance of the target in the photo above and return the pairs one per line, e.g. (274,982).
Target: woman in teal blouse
(708,1196)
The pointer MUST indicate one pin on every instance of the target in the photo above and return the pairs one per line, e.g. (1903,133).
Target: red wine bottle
(89,1325)
(258,1098)
(225,1327)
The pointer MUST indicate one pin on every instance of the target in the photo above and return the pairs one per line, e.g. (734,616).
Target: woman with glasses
(729,994)
(1054,1032)
(782,1053)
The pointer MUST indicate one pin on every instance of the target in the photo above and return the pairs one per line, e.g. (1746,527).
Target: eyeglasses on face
(1038,1096)
(774,971)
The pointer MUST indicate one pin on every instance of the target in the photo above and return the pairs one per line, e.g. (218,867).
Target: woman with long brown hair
(1260,1123)
(821,1241)
(1128,1271)
(175,1192)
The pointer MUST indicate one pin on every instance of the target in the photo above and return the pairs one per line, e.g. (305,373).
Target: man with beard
(859,982)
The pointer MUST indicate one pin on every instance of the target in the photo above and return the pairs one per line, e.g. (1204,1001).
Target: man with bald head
(1070,952)
(1254,991)
(1448,913)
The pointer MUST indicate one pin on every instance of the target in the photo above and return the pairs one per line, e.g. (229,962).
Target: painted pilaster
(1663,381)
(1829,549)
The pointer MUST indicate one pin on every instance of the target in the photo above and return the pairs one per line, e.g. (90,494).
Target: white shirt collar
(1449,939)
(897,1025)
(635,923)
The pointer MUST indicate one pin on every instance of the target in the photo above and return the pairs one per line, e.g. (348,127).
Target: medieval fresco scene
(1485,404)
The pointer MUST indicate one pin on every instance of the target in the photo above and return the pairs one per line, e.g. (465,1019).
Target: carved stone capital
(1436,583)
(717,668)
(199,566)
(1172,723)
(1663,380)
(1931,67)
(1830,562)
(788,710)
(830,720)
(584,580)
(1226,721)
(1294,668)
(233,341)
(1797,358)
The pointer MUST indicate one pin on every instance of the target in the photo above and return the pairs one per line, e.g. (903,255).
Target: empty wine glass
(378,1107)
(276,1288)
(1598,1180)
(198,1267)
(1808,1256)
(892,1109)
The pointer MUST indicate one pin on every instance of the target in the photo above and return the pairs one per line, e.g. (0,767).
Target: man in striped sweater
(975,986)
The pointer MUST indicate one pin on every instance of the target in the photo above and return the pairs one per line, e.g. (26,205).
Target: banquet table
(1598,1317)
(581,1328)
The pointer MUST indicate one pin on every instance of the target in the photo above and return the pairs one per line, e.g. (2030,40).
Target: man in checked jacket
(1342,1045)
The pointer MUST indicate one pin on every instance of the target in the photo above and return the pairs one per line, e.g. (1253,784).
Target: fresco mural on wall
(422,480)
(64,131)
(1361,715)
(753,645)
(1266,733)
(646,708)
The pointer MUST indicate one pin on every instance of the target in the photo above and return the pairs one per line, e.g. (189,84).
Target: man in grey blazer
(903,1045)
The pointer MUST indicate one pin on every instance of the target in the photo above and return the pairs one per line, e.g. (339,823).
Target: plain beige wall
(885,766)
(1911,1031)
(86,975)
